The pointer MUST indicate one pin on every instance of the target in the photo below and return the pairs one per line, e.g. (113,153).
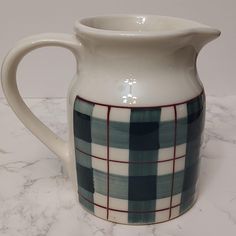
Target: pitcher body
(136,111)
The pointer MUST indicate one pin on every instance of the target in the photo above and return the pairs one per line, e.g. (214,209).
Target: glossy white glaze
(139,60)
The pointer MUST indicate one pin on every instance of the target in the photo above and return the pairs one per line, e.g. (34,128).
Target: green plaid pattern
(138,165)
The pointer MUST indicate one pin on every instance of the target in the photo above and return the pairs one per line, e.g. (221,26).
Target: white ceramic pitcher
(135,113)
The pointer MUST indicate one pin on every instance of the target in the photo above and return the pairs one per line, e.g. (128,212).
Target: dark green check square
(86,204)
(166,134)
(187,198)
(82,128)
(144,129)
(83,159)
(178,182)
(195,107)
(163,186)
(83,107)
(192,152)
(86,194)
(99,131)
(100,182)
(181,131)
(139,211)
(119,134)
(118,186)
(142,218)
(143,156)
(82,145)
(85,177)
(142,206)
(143,115)
(191,175)
(142,188)
(144,136)
(144,169)
(138,165)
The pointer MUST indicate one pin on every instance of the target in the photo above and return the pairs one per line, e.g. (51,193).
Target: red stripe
(108,169)
(173,175)
(127,162)
(117,106)
(112,209)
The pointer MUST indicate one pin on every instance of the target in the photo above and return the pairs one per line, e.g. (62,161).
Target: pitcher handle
(9,69)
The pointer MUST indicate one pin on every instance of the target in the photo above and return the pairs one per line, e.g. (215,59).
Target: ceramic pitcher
(135,113)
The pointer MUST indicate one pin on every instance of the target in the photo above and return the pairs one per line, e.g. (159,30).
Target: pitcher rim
(85,26)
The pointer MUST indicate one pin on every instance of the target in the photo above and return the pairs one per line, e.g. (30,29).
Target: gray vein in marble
(228,213)
(2,151)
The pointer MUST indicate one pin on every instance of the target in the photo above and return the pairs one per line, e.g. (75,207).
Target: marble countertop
(37,199)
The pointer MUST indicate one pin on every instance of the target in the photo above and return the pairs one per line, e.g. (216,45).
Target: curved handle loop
(9,69)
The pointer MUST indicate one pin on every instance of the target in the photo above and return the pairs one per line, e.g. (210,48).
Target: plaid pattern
(138,165)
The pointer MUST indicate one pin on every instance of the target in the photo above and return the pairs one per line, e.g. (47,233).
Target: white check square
(118,154)
(100,112)
(98,164)
(164,168)
(162,215)
(118,204)
(100,199)
(175,212)
(119,217)
(119,168)
(163,203)
(167,113)
(165,153)
(179,164)
(176,199)
(180,150)
(100,212)
(181,111)
(98,150)
(120,114)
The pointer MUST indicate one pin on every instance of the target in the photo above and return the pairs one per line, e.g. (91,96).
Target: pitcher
(136,112)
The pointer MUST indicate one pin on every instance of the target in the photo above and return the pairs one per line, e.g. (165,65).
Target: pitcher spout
(200,36)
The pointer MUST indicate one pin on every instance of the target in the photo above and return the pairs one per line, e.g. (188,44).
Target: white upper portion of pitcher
(134,60)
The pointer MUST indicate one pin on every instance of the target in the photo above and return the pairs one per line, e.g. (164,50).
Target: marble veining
(37,199)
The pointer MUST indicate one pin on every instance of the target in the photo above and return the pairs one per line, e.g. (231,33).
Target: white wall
(47,72)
